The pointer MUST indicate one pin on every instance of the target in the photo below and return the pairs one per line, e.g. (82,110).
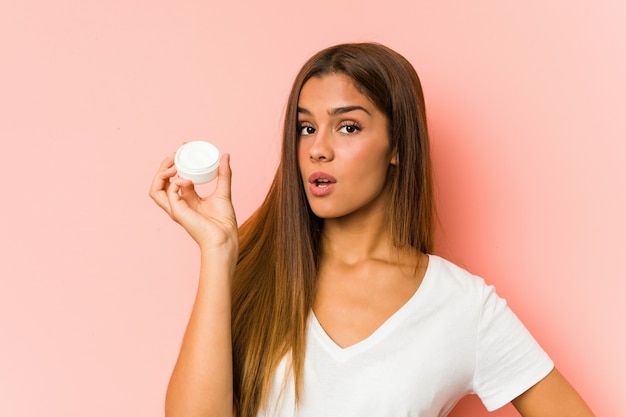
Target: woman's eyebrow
(336,111)
(304,111)
(346,109)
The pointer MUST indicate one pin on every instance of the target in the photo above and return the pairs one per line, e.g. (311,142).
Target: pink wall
(527,112)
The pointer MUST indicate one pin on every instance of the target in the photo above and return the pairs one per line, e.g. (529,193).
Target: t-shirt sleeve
(508,359)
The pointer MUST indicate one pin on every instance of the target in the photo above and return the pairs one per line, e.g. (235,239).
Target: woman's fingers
(185,186)
(224,176)
(187,192)
(173,196)
(182,196)
(161,182)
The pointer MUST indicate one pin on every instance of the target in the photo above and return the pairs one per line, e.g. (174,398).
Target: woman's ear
(394,158)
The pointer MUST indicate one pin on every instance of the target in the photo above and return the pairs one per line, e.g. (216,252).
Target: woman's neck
(352,240)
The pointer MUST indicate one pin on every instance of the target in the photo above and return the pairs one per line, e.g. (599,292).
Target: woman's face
(344,150)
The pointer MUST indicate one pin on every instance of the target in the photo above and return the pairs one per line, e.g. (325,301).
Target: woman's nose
(321,148)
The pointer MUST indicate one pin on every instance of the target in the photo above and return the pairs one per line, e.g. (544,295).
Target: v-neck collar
(342,354)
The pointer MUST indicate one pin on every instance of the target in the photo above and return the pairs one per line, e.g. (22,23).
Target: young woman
(328,301)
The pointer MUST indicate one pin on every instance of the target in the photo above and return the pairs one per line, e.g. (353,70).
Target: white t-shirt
(454,337)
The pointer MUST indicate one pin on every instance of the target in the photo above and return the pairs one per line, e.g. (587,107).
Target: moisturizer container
(197,161)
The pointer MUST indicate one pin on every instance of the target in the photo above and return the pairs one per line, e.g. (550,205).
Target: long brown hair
(275,278)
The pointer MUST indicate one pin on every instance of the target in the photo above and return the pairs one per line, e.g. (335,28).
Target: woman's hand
(209,220)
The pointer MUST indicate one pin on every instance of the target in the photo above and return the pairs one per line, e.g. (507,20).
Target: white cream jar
(197,161)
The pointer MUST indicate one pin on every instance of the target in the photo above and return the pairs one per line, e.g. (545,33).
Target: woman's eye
(349,128)
(306,130)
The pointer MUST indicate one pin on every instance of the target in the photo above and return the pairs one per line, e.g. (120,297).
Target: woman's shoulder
(447,273)
(447,285)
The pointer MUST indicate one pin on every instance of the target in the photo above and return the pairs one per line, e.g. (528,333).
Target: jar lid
(197,156)
(197,161)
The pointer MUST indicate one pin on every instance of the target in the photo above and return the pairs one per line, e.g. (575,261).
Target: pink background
(527,113)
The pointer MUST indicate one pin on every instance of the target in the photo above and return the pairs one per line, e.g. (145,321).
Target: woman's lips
(321,183)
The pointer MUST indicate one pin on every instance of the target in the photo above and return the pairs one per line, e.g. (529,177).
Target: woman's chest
(351,304)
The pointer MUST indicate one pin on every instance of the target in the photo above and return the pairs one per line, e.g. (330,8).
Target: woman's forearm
(201,383)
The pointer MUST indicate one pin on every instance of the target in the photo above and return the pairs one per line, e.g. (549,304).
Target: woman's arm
(201,382)
(553,396)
